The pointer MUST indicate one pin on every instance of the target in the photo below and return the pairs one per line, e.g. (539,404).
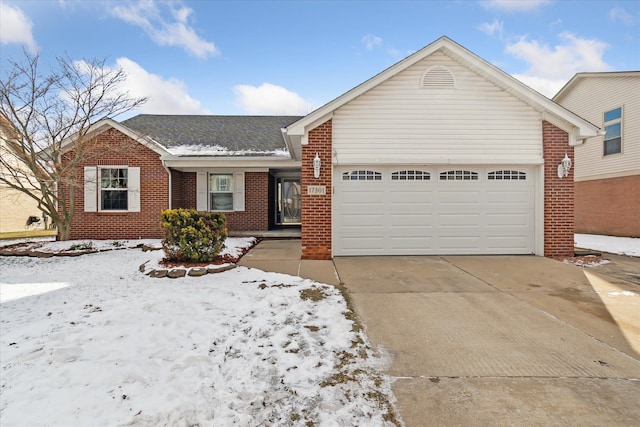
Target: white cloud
(514,5)
(174,31)
(550,68)
(370,41)
(620,14)
(16,27)
(166,96)
(271,99)
(494,28)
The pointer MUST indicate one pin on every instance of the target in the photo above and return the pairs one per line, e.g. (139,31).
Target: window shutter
(201,191)
(133,187)
(238,191)
(90,189)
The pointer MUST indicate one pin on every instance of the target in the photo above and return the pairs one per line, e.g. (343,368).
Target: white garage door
(455,210)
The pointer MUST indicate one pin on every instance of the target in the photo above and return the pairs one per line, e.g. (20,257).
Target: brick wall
(316,209)
(558,194)
(255,216)
(117,149)
(183,190)
(608,206)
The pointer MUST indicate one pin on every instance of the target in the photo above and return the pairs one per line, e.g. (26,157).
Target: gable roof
(577,127)
(103,125)
(191,135)
(582,76)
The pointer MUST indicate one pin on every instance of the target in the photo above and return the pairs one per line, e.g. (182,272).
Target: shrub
(193,236)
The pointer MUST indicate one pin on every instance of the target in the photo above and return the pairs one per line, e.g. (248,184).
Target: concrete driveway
(493,340)
(502,340)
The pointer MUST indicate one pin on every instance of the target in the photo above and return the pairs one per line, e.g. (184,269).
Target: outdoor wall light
(564,167)
(316,166)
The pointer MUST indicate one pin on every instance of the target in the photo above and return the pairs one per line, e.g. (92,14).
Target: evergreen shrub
(193,236)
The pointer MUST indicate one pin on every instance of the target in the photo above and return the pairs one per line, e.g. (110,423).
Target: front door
(288,201)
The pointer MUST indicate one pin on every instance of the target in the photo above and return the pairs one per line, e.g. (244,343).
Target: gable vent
(438,77)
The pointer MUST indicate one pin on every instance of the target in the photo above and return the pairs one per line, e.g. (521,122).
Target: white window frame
(93,188)
(228,191)
(203,193)
(612,123)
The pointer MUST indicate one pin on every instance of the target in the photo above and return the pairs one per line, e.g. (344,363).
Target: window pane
(113,178)
(221,201)
(220,183)
(613,131)
(613,146)
(114,200)
(613,114)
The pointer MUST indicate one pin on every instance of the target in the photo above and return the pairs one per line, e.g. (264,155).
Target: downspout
(164,165)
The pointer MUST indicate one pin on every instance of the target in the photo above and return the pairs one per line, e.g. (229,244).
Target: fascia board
(104,124)
(523,92)
(581,76)
(266,162)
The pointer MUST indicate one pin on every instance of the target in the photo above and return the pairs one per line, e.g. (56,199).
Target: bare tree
(46,119)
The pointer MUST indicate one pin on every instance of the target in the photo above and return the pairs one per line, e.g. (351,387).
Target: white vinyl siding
(590,98)
(399,122)
(92,188)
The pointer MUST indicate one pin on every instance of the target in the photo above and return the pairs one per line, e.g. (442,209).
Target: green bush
(193,236)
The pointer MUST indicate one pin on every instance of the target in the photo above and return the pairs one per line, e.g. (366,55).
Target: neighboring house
(15,206)
(442,153)
(607,170)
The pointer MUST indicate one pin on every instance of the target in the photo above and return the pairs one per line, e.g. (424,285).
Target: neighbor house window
(613,129)
(221,192)
(114,189)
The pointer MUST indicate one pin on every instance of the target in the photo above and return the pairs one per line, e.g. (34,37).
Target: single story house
(607,172)
(442,153)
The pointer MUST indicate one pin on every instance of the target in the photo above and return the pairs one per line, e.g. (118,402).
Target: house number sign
(316,190)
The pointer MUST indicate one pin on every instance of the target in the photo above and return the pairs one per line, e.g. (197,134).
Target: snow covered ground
(91,341)
(611,244)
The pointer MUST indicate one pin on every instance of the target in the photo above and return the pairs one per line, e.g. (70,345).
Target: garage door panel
(505,219)
(415,220)
(437,216)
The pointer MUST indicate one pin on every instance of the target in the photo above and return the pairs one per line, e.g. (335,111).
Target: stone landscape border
(156,273)
(178,272)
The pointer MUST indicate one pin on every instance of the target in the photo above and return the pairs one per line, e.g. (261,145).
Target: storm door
(288,201)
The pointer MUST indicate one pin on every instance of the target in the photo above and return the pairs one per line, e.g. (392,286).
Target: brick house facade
(402,182)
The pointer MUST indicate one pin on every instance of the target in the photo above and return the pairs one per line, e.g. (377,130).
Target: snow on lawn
(90,340)
(611,244)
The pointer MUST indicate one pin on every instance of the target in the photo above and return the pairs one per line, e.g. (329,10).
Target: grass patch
(10,235)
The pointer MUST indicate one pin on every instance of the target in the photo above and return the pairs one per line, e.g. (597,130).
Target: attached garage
(457,210)
(441,153)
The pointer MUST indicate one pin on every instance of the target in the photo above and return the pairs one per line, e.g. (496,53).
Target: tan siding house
(607,168)
(15,206)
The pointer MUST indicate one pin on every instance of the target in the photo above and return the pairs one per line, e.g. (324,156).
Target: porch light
(564,167)
(316,166)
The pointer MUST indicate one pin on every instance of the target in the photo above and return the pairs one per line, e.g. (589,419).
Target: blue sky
(290,57)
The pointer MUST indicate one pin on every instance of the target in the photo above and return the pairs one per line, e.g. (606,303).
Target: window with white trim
(410,175)
(458,175)
(221,192)
(114,189)
(613,128)
(506,175)
(111,189)
(362,175)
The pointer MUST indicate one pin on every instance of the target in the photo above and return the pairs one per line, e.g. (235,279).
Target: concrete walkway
(493,340)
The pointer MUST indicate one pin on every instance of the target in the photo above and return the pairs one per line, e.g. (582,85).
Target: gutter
(164,165)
